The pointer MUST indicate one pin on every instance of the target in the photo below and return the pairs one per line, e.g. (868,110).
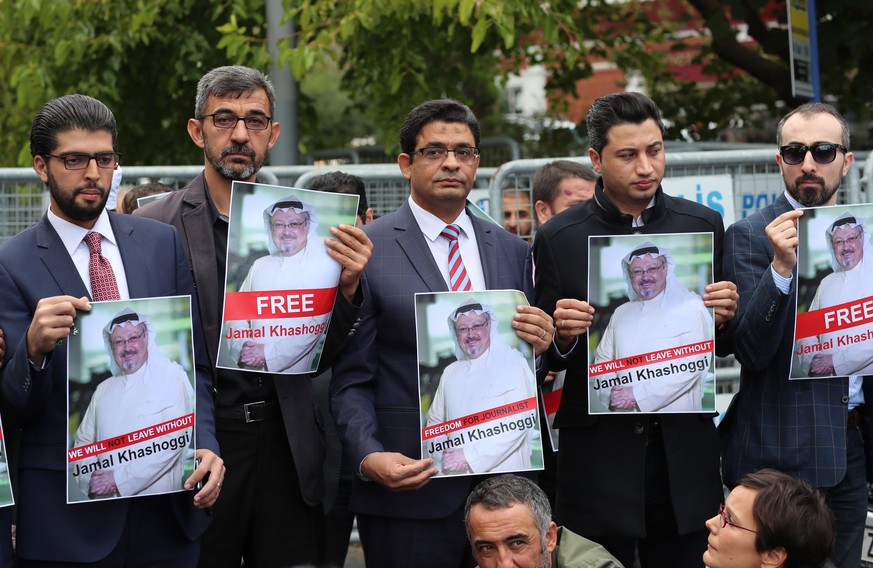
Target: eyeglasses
(476,327)
(464,154)
(230,120)
(852,241)
(117,343)
(77,161)
(824,153)
(294,225)
(726,520)
(647,271)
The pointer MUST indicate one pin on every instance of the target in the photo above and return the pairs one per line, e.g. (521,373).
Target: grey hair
(504,491)
(232,81)
(810,109)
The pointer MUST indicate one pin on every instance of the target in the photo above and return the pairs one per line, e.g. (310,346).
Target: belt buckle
(247,408)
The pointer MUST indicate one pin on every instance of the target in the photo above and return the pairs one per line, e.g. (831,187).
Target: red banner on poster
(135,437)
(274,304)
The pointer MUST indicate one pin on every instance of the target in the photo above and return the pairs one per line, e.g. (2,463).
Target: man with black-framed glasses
(809,428)
(770,520)
(79,252)
(432,243)
(270,432)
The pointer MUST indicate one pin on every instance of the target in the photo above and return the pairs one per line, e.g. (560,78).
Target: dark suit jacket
(798,427)
(34,265)
(602,462)
(374,390)
(188,211)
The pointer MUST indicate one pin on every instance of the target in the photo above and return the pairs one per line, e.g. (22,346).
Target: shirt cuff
(784,284)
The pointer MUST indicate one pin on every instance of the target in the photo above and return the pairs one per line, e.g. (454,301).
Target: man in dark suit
(270,431)
(807,428)
(48,273)
(627,480)
(405,519)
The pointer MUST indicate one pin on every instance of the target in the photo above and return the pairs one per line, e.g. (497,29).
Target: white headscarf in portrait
(472,306)
(293,203)
(675,293)
(157,361)
(841,222)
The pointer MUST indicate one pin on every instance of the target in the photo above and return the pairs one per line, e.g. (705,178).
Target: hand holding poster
(650,351)
(131,400)
(834,329)
(280,282)
(476,383)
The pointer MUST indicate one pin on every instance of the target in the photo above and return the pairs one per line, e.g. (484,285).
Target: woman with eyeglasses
(770,520)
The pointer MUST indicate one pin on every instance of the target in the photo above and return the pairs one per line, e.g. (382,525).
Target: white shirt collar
(71,234)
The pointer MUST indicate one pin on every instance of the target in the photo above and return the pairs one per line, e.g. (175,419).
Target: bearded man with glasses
(809,428)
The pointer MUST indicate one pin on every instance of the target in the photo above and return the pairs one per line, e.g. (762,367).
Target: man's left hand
(622,397)
(252,355)
(822,365)
(214,466)
(454,460)
(102,483)
(352,248)
(534,326)
(723,297)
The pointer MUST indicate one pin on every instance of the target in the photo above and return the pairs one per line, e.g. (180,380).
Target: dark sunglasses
(793,154)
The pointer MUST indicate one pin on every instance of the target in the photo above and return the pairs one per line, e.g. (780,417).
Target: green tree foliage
(141,58)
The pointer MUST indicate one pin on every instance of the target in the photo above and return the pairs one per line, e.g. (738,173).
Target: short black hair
(341,182)
(444,110)
(70,112)
(616,109)
(810,109)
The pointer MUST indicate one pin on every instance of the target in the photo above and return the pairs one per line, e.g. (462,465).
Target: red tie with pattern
(103,284)
(457,273)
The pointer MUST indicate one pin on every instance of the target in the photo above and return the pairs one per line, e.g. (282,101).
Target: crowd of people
(630,488)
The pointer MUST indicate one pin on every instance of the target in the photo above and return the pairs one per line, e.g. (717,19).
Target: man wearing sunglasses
(770,520)
(808,428)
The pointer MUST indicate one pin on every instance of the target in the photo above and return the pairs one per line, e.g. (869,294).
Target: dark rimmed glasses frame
(79,160)
(823,153)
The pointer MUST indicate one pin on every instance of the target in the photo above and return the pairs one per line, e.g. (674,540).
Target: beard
(230,171)
(812,196)
(66,200)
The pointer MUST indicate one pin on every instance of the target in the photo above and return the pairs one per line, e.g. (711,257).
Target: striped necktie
(103,284)
(457,273)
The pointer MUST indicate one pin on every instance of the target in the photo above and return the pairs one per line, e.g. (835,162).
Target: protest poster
(834,323)
(477,384)
(650,345)
(6,496)
(552,391)
(130,399)
(280,284)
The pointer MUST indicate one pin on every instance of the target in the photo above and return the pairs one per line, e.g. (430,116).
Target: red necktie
(457,273)
(103,284)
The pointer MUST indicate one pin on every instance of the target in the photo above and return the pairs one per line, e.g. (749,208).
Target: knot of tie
(92,239)
(451,232)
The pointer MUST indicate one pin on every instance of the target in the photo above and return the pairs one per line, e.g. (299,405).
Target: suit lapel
(200,242)
(412,242)
(133,252)
(486,241)
(57,261)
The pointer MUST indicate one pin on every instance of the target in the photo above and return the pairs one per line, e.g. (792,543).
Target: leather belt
(853,419)
(251,412)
